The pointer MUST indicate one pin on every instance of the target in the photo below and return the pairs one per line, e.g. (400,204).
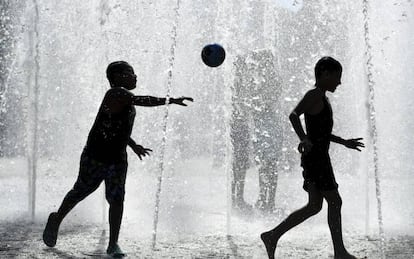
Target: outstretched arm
(148,101)
(116,99)
(156,101)
(138,149)
(337,139)
(131,142)
(353,143)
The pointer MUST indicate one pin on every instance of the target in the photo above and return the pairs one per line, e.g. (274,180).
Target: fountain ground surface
(193,205)
(192,224)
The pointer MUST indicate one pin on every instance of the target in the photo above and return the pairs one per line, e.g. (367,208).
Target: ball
(213,55)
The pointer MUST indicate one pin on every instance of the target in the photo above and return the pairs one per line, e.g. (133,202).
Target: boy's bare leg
(271,237)
(115,218)
(67,205)
(72,198)
(115,215)
(334,220)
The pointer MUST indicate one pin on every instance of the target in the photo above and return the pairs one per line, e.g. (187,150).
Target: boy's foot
(115,251)
(51,230)
(270,243)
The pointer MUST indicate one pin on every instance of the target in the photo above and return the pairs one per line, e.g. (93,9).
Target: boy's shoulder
(116,99)
(118,92)
(314,93)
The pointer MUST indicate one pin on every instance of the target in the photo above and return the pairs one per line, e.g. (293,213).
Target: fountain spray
(372,121)
(164,128)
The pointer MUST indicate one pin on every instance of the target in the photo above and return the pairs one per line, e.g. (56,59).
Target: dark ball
(213,55)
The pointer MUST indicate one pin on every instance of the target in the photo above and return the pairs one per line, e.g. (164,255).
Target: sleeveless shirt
(319,127)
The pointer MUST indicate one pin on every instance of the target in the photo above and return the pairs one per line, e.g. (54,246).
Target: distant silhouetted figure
(104,157)
(319,180)
(256,120)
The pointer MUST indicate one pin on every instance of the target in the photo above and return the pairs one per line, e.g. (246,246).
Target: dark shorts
(317,170)
(91,175)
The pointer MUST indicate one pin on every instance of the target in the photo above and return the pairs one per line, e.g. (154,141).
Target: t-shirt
(109,135)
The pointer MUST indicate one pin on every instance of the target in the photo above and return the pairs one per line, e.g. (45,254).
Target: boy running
(104,157)
(319,180)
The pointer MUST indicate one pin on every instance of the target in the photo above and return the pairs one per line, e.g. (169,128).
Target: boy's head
(328,73)
(121,74)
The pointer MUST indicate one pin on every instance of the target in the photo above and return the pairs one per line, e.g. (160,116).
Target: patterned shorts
(91,175)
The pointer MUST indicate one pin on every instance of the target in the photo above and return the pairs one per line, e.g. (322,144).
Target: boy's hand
(141,151)
(354,143)
(305,146)
(180,100)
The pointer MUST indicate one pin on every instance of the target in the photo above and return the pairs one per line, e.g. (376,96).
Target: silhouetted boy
(104,157)
(319,180)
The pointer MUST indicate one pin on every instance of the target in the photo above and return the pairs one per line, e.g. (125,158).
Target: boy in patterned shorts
(104,157)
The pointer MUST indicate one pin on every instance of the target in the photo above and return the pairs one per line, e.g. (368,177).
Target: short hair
(116,67)
(327,64)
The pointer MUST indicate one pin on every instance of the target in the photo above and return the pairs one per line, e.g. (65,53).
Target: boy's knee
(115,203)
(339,202)
(76,194)
(115,198)
(314,208)
(335,203)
